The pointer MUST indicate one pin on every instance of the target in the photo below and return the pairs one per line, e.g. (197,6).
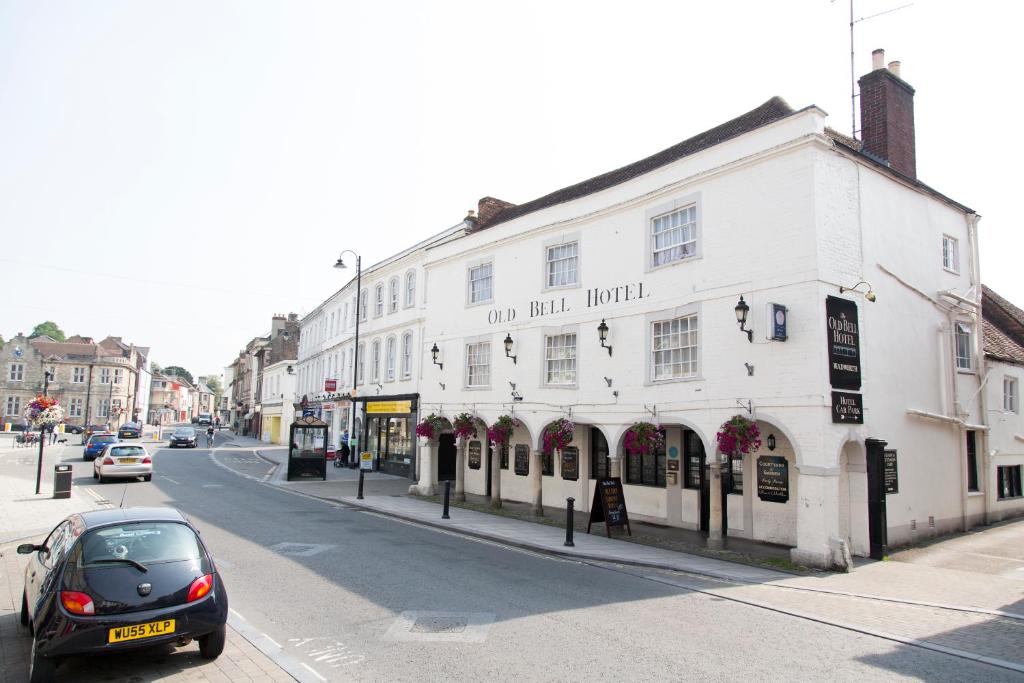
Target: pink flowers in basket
(738,436)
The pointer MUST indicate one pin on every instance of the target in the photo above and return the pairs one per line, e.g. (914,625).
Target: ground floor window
(599,462)
(647,469)
(972,461)
(693,459)
(1008,481)
(735,474)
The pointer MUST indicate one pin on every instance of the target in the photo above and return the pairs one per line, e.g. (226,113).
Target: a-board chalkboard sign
(773,478)
(474,455)
(890,472)
(609,505)
(571,463)
(522,459)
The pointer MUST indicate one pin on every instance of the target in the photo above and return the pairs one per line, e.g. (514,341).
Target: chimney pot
(894,67)
(877,59)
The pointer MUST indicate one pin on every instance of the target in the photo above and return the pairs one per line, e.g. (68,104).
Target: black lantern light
(742,309)
(602,334)
(771,442)
(508,348)
(433,353)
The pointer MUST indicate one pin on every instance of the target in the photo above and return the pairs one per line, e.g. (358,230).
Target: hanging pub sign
(847,408)
(474,455)
(571,463)
(609,506)
(522,463)
(843,343)
(890,472)
(773,478)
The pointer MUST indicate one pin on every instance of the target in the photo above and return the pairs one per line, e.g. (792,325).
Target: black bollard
(359,494)
(447,495)
(568,521)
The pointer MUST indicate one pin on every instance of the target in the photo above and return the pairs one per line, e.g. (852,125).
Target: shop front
(390,433)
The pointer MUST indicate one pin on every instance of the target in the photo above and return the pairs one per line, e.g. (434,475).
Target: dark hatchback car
(130,430)
(92,429)
(119,579)
(183,436)
(95,445)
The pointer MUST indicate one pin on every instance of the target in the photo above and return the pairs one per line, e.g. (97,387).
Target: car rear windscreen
(104,439)
(125,451)
(144,542)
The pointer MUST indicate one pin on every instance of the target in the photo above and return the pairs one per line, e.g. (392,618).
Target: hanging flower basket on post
(501,431)
(738,436)
(558,435)
(44,411)
(643,438)
(432,425)
(464,426)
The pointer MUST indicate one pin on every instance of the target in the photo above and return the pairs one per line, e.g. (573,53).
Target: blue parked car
(95,445)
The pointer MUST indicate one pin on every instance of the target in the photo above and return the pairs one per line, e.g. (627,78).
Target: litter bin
(62,481)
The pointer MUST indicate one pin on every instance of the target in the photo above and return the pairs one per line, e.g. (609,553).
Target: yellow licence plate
(153,628)
(128,461)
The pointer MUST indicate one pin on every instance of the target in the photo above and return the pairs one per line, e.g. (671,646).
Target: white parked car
(123,461)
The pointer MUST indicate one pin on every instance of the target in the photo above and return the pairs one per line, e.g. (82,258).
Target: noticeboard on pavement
(366,461)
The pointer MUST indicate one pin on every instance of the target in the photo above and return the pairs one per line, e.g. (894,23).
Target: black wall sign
(890,472)
(522,459)
(773,478)
(843,343)
(571,463)
(474,455)
(847,408)
(780,322)
(609,505)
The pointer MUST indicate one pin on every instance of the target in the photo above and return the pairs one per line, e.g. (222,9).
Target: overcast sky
(176,172)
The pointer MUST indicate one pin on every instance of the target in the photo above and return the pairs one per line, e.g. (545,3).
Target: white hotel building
(868,385)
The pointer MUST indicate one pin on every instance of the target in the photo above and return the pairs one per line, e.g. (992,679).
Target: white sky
(176,172)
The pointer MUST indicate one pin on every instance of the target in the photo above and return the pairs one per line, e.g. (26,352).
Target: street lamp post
(355,350)
(42,433)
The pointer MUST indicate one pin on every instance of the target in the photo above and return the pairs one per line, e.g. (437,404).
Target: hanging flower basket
(464,426)
(643,438)
(738,436)
(501,431)
(44,411)
(558,435)
(432,425)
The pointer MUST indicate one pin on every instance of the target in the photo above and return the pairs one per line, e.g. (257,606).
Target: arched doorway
(853,498)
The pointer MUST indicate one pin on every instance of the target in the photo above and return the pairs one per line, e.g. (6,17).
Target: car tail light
(147,460)
(77,603)
(200,587)
(108,460)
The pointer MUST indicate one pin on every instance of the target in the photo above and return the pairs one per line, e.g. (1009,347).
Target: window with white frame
(478,364)
(53,373)
(16,373)
(390,358)
(13,405)
(674,236)
(378,300)
(77,375)
(103,410)
(104,375)
(560,359)
(963,346)
(393,295)
(481,283)
(674,348)
(410,289)
(1011,395)
(118,372)
(345,318)
(375,361)
(360,363)
(562,270)
(951,253)
(75,407)
(364,304)
(407,355)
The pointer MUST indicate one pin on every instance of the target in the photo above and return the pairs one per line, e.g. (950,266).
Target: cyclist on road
(209,436)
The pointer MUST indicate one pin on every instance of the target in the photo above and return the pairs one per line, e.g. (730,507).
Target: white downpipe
(946,418)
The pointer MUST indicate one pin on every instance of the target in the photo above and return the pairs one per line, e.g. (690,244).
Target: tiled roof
(1003,328)
(772,110)
(73,350)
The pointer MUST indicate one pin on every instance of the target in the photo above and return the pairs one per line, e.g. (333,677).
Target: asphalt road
(341,594)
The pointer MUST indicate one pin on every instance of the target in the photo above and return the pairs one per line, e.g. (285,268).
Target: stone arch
(778,424)
(853,495)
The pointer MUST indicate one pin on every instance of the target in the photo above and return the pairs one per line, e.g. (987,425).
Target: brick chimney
(887,115)
(488,208)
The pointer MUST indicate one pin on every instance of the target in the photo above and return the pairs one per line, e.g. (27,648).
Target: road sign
(366,461)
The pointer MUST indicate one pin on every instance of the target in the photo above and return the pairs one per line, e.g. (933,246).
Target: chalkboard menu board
(474,455)
(522,462)
(609,505)
(890,472)
(571,463)
(773,478)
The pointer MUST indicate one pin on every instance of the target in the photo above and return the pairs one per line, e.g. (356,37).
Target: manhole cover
(437,627)
(440,625)
(300,549)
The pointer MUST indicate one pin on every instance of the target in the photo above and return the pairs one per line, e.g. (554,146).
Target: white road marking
(277,644)
(313,671)
(170,480)
(237,614)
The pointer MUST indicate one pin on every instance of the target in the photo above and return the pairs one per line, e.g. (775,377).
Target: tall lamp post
(42,433)
(355,350)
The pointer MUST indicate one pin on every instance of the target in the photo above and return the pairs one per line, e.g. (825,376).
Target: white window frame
(16,372)
(479,349)
(549,349)
(103,407)
(118,375)
(361,363)
(407,355)
(378,300)
(15,402)
(1011,395)
(75,407)
(104,375)
(78,375)
(951,254)
(469,282)
(666,209)
(564,241)
(390,358)
(690,313)
(364,305)
(962,330)
(410,289)
(393,295)
(375,360)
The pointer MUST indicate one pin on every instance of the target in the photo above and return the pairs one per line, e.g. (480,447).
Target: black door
(446,458)
(878,528)
(489,454)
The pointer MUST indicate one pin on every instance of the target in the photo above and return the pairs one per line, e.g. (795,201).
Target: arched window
(361,363)
(389,356)
(378,300)
(406,355)
(375,361)
(410,289)
(364,304)
(393,295)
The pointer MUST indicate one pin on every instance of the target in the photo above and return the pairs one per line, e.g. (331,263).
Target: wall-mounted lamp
(869,295)
(602,334)
(742,309)
(771,442)
(433,354)
(508,348)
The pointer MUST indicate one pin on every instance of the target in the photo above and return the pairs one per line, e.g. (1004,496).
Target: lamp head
(741,311)
(508,343)
(602,331)
(434,351)
(340,264)
(871,296)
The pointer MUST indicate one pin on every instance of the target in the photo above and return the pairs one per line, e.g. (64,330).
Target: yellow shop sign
(388,407)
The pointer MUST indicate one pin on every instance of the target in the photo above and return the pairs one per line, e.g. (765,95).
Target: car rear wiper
(138,565)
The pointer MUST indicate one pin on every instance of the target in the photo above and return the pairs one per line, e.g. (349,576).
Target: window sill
(557,288)
(657,382)
(975,494)
(649,486)
(477,388)
(998,500)
(652,268)
(951,271)
(473,304)
(560,386)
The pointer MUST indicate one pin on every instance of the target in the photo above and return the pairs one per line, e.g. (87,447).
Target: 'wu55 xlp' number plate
(153,628)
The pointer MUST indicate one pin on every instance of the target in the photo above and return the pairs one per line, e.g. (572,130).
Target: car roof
(96,518)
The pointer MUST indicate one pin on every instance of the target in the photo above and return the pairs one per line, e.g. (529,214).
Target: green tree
(213,382)
(48,329)
(154,368)
(179,372)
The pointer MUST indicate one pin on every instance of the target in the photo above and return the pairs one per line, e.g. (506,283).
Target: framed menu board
(474,455)
(571,463)
(773,478)
(522,459)
(609,506)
